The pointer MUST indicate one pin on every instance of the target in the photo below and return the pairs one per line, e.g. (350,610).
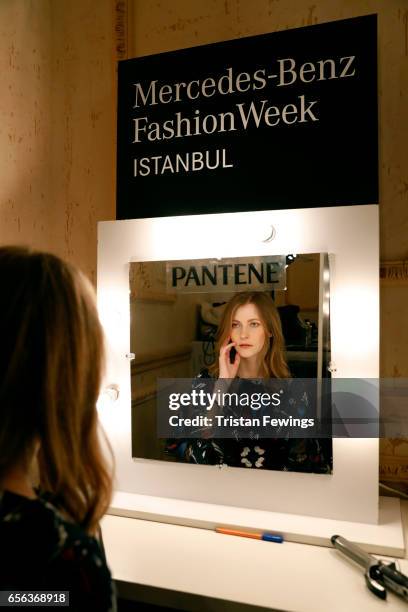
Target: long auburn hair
(51,365)
(273,362)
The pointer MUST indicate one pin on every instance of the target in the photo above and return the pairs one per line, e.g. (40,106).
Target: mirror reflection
(223,322)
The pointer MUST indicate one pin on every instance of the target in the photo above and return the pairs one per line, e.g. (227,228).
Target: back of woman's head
(51,361)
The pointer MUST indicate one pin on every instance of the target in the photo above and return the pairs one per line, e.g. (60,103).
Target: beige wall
(25,130)
(83,126)
(57,128)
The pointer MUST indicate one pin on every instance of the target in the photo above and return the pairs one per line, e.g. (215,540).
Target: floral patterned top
(40,551)
(283,453)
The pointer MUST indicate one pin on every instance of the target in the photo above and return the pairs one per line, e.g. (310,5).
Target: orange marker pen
(267,537)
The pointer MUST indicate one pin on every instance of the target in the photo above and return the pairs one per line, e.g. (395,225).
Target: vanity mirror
(350,236)
(176,311)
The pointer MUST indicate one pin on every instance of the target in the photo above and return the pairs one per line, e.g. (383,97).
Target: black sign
(282,120)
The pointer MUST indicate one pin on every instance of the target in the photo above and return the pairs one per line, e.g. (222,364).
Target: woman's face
(248,331)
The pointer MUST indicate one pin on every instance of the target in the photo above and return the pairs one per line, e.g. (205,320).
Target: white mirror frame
(350,234)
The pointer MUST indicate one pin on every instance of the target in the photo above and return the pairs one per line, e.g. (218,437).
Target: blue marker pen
(270,537)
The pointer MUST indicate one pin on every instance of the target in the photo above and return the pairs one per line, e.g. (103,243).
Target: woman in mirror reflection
(251,350)
(51,363)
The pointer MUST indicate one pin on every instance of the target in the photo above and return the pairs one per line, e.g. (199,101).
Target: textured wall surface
(57,125)
(25,130)
(83,126)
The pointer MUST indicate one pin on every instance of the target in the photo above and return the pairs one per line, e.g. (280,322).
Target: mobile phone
(232,354)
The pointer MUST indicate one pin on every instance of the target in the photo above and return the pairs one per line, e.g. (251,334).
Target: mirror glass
(178,311)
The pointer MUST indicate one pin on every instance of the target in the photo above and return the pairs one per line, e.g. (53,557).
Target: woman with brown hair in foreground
(51,362)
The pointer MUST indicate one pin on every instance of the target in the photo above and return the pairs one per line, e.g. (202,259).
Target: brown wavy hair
(273,363)
(51,364)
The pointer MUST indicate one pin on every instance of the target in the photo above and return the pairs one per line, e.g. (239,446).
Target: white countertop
(172,564)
